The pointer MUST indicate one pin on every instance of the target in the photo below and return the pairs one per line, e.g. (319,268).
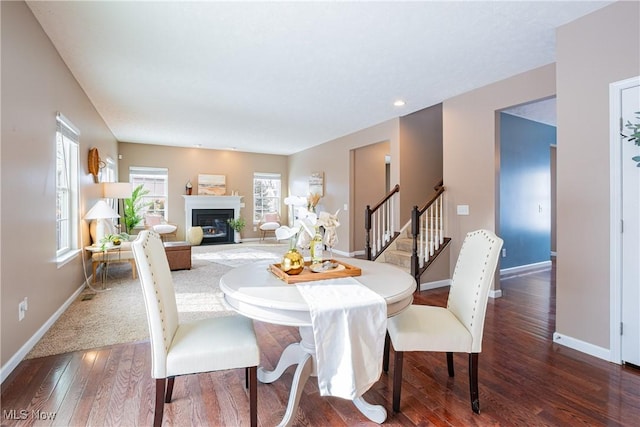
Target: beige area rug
(118,314)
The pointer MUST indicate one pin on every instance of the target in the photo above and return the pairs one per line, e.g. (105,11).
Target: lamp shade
(116,190)
(101,210)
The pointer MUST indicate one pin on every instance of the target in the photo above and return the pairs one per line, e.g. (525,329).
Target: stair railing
(427,231)
(380,224)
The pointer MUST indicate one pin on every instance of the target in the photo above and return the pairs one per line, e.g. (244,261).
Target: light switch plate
(463,209)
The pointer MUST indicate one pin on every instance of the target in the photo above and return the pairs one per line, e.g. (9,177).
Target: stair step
(399,258)
(404,244)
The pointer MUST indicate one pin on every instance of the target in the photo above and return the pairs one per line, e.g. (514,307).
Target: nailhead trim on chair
(473,315)
(165,338)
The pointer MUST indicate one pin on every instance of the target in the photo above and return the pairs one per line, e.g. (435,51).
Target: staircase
(417,244)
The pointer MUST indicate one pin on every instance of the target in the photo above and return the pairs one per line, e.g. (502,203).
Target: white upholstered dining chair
(457,328)
(206,345)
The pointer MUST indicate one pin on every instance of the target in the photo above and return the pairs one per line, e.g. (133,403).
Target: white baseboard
(26,348)
(447,282)
(434,285)
(495,293)
(582,346)
(525,269)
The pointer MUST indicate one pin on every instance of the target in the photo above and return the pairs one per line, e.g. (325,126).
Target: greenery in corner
(134,208)
(635,135)
(237,224)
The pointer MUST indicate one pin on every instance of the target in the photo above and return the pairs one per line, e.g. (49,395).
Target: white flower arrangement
(303,229)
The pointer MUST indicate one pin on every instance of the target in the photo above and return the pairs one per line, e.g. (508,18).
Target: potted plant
(134,208)
(111,240)
(237,225)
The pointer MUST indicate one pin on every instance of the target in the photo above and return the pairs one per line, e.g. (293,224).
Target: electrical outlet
(504,252)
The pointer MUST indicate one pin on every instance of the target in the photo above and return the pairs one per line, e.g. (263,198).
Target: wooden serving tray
(306,275)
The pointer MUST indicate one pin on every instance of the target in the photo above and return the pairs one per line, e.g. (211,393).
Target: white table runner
(349,323)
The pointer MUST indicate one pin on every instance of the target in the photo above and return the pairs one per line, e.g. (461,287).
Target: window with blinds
(267,188)
(67,169)
(155,181)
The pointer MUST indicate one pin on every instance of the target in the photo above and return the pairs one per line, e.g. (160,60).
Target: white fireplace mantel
(210,202)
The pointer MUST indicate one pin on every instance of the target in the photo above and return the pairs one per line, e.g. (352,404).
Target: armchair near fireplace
(157,223)
(270,222)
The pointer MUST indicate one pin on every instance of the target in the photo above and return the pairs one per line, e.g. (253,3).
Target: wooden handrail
(393,191)
(426,247)
(439,190)
(385,231)
(426,229)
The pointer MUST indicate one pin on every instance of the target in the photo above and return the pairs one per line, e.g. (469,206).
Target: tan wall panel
(369,170)
(588,61)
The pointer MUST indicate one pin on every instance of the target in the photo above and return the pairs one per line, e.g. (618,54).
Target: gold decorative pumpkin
(292,262)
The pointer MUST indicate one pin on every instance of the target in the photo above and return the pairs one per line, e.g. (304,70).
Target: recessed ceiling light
(399,103)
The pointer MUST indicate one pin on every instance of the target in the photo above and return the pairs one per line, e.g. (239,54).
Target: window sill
(64,259)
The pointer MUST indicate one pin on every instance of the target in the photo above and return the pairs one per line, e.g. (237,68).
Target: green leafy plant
(134,208)
(237,224)
(115,239)
(635,135)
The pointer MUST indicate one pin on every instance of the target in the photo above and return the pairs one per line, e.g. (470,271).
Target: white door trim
(615,234)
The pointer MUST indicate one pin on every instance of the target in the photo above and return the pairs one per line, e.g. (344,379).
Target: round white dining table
(255,292)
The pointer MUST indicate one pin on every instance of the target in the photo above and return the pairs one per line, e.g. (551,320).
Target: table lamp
(100,212)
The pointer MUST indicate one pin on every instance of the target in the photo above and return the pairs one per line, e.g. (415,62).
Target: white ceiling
(275,77)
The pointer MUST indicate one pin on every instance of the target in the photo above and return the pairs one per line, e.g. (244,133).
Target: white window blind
(267,190)
(155,180)
(67,167)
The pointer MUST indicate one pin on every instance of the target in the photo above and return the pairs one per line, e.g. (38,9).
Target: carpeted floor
(118,314)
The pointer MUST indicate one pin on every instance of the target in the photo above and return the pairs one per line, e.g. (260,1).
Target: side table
(104,260)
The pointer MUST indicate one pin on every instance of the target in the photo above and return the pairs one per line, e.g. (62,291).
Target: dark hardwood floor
(525,380)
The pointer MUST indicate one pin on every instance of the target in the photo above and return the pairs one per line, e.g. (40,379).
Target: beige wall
(592,52)
(35,85)
(369,172)
(420,157)
(186,164)
(471,154)
(334,159)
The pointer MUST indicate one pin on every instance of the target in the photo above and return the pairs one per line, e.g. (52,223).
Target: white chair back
(472,278)
(159,297)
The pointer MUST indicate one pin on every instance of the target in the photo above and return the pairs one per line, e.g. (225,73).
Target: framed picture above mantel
(211,185)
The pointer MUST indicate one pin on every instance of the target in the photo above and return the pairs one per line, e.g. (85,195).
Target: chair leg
(473,382)
(450,363)
(252,374)
(159,407)
(385,356)
(397,380)
(169,389)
